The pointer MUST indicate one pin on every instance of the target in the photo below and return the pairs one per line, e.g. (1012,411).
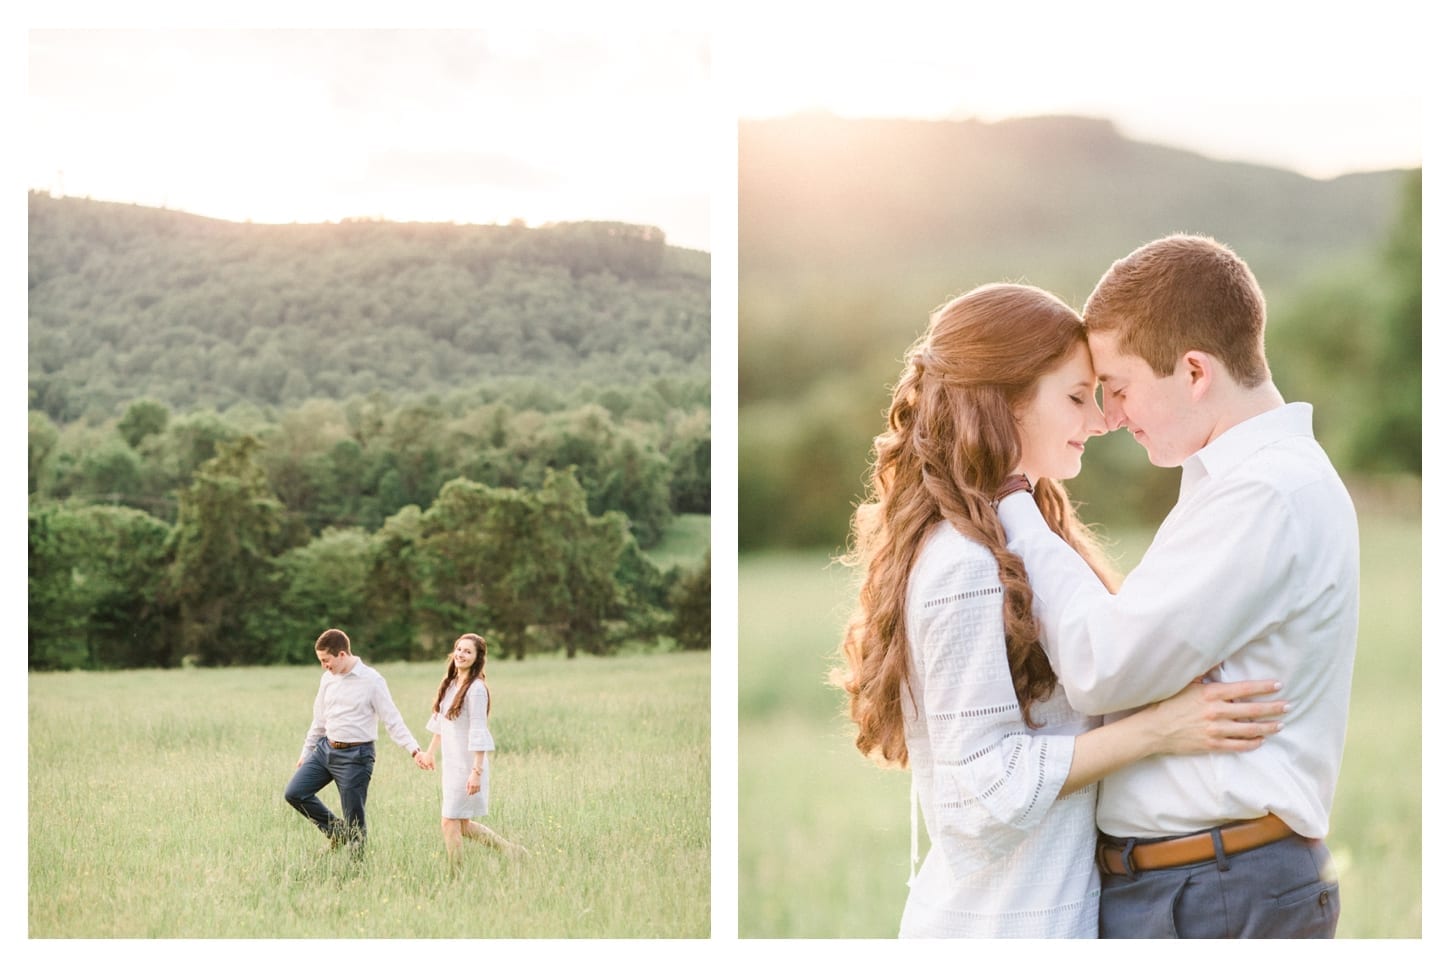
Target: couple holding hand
(351,699)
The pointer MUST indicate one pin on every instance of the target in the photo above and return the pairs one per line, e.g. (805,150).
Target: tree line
(233,538)
(240,434)
(127,301)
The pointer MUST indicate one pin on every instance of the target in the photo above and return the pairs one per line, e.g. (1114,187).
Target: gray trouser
(1284,889)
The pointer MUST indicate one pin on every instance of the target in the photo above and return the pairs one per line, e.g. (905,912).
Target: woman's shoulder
(946,548)
(950,558)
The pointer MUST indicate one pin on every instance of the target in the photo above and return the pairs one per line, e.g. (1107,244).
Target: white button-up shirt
(1253,575)
(348,708)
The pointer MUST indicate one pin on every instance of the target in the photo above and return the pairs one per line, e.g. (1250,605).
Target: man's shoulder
(366,671)
(1287,468)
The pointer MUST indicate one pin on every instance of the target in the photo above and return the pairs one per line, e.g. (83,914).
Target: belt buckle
(1129,868)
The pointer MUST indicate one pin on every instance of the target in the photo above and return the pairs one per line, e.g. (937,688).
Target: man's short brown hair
(332,641)
(1180,293)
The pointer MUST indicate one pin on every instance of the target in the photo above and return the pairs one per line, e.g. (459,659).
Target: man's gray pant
(1284,889)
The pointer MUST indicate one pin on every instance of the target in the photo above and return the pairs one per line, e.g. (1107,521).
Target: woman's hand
(475,778)
(1215,717)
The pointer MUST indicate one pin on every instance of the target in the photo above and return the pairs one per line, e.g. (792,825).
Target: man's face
(1155,409)
(338,664)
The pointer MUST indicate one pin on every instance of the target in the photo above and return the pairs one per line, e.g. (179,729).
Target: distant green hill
(127,301)
(851,231)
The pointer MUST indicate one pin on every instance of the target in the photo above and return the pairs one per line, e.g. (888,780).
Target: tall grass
(156,807)
(824,840)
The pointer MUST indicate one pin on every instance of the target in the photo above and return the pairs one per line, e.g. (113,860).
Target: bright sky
(480,126)
(613,119)
(1294,85)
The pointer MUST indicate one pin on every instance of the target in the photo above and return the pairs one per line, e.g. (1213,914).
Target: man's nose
(1112,414)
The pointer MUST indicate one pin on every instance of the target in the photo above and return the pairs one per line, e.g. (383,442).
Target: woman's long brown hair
(950,440)
(475,672)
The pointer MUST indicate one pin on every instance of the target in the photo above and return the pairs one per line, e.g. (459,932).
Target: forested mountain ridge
(128,302)
(852,231)
(1053,198)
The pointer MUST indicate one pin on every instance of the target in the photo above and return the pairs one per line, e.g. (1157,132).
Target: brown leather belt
(1194,848)
(346,745)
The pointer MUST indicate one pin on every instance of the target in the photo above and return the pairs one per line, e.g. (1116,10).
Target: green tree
(56,602)
(510,560)
(143,418)
(1389,437)
(230,528)
(42,438)
(95,575)
(477,565)
(588,551)
(395,593)
(170,458)
(325,585)
(691,600)
(689,461)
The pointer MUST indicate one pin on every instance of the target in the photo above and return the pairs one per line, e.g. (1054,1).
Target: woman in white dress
(460,721)
(941,661)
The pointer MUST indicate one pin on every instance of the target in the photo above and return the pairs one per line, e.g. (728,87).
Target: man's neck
(1244,405)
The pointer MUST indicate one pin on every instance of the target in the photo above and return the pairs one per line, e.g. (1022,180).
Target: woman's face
(464,654)
(1055,424)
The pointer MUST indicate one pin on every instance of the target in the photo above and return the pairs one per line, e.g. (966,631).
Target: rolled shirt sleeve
(391,718)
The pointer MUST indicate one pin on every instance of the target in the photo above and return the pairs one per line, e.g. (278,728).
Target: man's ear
(1200,368)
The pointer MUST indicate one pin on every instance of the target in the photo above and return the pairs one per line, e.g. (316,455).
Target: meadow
(156,807)
(824,835)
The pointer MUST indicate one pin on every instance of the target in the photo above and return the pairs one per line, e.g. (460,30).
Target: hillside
(1035,194)
(127,301)
(852,231)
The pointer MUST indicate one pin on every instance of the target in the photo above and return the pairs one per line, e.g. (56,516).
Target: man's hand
(424,760)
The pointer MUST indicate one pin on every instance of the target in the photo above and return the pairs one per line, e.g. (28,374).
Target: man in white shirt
(338,747)
(1253,575)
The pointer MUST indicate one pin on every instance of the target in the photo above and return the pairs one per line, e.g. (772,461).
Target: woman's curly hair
(950,441)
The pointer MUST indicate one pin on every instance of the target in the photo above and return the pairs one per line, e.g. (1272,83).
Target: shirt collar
(1243,440)
(356,666)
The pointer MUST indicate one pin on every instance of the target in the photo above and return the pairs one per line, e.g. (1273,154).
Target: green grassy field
(824,836)
(156,807)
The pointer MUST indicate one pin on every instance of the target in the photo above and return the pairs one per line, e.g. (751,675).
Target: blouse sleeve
(994,779)
(479,737)
(434,725)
